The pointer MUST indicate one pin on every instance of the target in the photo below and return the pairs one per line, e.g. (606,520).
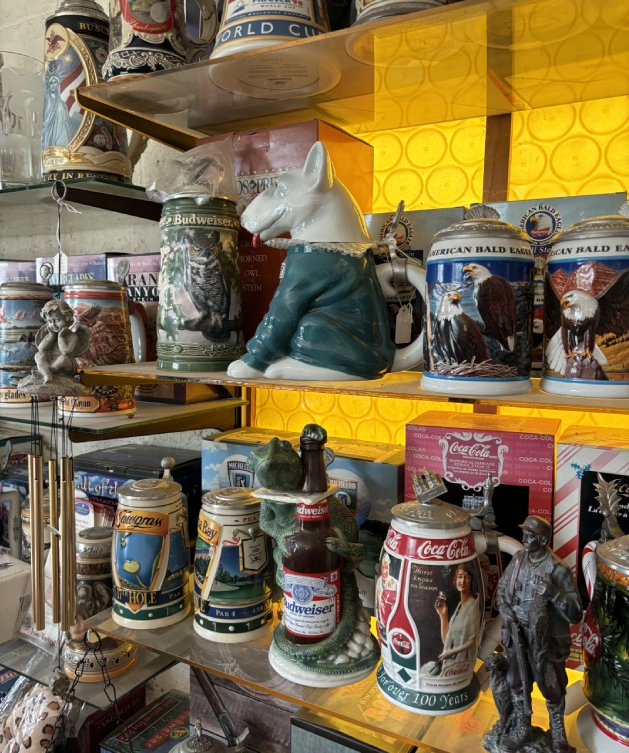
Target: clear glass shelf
(33,662)
(402,385)
(469,59)
(150,418)
(361,703)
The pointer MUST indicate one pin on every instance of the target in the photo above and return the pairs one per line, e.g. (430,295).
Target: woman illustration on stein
(459,633)
(386,594)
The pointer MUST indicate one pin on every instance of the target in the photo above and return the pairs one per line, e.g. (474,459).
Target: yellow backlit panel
(428,166)
(570,150)
(345,416)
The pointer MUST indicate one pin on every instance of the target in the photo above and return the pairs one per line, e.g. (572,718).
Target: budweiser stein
(429,634)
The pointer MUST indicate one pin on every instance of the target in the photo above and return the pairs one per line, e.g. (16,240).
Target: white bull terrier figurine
(328,319)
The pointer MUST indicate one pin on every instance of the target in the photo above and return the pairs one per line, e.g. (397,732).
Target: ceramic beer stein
(233,569)
(370,10)
(479,301)
(117,337)
(20,308)
(586,318)
(77,143)
(94,595)
(604,724)
(430,600)
(199,319)
(151,35)
(151,556)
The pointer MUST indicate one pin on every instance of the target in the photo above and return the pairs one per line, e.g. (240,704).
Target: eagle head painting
(575,316)
(495,301)
(457,338)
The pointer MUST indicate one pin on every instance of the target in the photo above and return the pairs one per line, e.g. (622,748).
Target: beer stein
(150,35)
(233,569)
(151,556)
(430,599)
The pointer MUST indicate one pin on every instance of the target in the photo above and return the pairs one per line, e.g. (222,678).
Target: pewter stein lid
(481,221)
(615,554)
(80,8)
(95,286)
(611,225)
(198,742)
(429,511)
(231,499)
(147,489)
(25,289)
(95,542)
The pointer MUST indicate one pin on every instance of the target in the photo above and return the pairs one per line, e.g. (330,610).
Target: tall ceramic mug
(199,319)
(604,725)
(151,556)
(479,308)
(117,337)
(20,308)
(151,36)
(233,569)
(430,599)
(586,315)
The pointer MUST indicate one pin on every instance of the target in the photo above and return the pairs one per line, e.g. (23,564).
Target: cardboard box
(179,394)
(101,723)
(312,732)
(12,270)
(73,268)
(158,727)
(8,679)
(267,717)
(20,448)
(262,155)
(463,448)
(142,281)
(541,220)
(15,578)
(369,474)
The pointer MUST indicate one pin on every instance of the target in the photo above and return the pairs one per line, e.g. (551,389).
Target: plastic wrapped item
(204,173)
(12,699)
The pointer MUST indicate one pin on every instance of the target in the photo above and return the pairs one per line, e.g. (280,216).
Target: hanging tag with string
(404,316)
(59,192)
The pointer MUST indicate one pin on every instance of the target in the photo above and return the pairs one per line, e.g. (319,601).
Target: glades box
(463,448)
(369,474)
(262,155)
(73,268)
(158,728)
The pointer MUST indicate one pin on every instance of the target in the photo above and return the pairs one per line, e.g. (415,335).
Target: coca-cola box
(463,448)
(592,475)
(260,156)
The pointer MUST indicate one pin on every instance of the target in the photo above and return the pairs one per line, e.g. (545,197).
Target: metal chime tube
(68,550)
(54,540)
(36,493)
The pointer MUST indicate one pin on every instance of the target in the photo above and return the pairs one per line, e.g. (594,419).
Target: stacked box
(12,270)
(15,584)
(73,268)
(102,723)
(369,474)
(21,445)
(592,467)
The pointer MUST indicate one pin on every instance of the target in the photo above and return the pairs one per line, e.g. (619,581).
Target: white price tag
(403,324)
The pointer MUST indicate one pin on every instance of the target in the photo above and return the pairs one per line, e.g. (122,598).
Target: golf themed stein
(151,35)
(430,599)
(479,308)
(586,318)
(150,556)
(233,569)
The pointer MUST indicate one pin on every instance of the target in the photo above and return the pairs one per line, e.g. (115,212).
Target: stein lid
(481,221)
(150,488)
(94,542)
(79,8)
(198,742)
(231,499)
(95,286)
(433,514)
(25,288)
(597,227)
(615,554)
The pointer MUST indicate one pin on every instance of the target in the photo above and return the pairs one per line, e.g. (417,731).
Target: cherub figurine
(58,346)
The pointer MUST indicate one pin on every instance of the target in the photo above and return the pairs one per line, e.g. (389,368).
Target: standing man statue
(538,600)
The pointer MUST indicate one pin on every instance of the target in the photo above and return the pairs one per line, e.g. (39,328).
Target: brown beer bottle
(312,573)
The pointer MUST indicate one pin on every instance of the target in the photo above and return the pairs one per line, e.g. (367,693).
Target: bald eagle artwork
(597,305)
(457,338)
(495,301)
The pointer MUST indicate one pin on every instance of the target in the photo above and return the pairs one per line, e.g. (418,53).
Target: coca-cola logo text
(455,549)
(393,540)
(471,450)
(401,644)
(458,669)
(590,638)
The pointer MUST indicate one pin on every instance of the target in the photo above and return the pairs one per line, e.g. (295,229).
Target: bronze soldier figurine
(538,600)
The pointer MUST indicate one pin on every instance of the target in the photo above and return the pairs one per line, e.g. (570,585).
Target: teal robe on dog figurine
(328,319)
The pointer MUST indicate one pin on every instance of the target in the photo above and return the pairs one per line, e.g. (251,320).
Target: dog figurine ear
(318,169)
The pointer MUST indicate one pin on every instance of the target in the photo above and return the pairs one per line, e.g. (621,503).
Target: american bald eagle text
(457,337)
(495,301)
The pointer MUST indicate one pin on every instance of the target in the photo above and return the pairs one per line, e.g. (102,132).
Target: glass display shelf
(31,210)
(150,418)
(361,703)
(33,662)
(402,385)
(470,59)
